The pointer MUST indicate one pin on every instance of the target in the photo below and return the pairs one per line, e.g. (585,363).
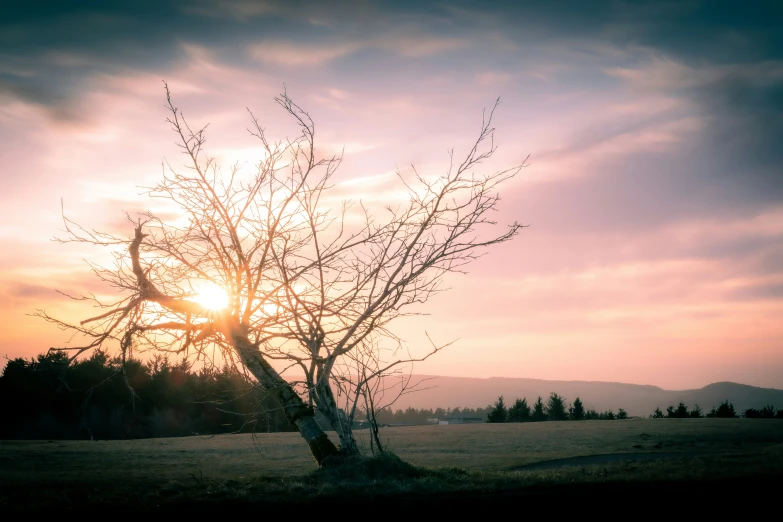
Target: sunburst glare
(212,296)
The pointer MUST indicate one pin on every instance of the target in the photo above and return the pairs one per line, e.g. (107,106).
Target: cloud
(242,10)
(47,99)
(28,291)
(489,78)
(403,44)
(741,105)
(413,44)
(745,127)
(297,55)
(759,291)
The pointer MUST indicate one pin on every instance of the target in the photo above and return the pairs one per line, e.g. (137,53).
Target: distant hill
(637,400)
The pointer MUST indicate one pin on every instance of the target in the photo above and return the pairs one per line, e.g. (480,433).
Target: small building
(460,419)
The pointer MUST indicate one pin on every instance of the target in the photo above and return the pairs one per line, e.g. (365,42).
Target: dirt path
(590,460)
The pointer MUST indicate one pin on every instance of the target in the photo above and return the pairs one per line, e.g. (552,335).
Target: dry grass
(485,447)
(478,447)
(449,463)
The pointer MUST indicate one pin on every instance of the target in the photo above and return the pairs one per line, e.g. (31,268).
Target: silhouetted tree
(752,413)
(622,414)
(46,397)
(556,408)
(498,412)
(270,242)
(767,412)
(607,415)
(591,414)
(539,414)
(657,414)
(577,410)
(680,413)
(519,411)
(695,412)
(724,411)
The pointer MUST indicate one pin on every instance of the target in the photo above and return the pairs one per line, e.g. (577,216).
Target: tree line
(725,410)
(100,398)
(387,416)
(555,409)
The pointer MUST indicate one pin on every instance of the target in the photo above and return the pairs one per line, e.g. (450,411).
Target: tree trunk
(372,420)
(296,411)
(341,424)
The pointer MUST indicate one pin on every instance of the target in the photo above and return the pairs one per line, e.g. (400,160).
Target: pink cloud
(406,43)
(298,55)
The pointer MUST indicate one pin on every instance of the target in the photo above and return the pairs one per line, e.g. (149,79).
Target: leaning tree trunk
(298,413)
(296,410)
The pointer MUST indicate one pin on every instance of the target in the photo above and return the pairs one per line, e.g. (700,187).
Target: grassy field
(449,460)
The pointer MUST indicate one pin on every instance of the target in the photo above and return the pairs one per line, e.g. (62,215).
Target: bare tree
(370,378)
(306,286)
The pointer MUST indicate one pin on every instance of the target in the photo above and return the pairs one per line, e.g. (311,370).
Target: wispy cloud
(242,10)
(405,44)
(297,55)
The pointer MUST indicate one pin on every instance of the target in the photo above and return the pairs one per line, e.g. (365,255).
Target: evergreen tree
(767,412)
(752,413)
(591,414)
(578,410)
(89,398)
(607,415)
(696,412)
(680,413)
(622,414)
(498,412)
(519,411)
(724,411)
(538,411)
(555,407)
(657,414)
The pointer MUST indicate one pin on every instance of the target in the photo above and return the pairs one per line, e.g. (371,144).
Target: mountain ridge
(637,399)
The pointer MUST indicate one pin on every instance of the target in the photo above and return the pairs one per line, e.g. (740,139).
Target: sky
(653,197)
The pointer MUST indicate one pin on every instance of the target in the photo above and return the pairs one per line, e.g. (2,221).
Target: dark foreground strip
(612,499)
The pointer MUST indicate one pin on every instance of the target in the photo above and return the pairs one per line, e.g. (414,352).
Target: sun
(212,297)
